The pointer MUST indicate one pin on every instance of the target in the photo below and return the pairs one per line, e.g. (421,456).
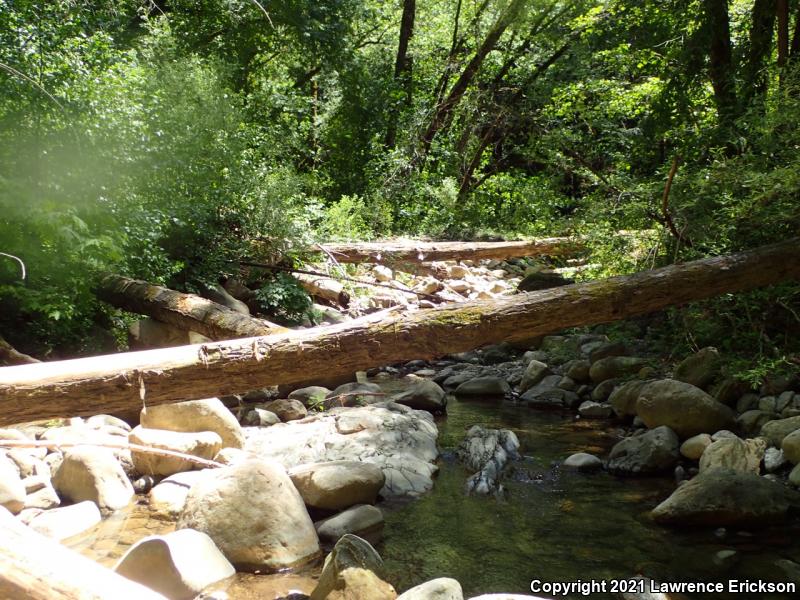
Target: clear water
(556,525)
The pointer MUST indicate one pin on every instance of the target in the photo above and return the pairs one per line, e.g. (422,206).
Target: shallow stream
(551,525)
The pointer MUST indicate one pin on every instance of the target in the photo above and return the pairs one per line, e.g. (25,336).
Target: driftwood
(412,251)
(185,311)
(11,356)
(326,288)
(117,383)
(36,567)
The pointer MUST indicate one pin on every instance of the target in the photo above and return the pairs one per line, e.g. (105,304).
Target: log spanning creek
(552,532)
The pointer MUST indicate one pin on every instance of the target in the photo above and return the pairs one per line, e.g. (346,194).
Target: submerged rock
(722,497)
(487,451)
(583,461)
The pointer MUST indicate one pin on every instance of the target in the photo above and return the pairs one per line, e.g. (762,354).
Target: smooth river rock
(744,456)
(364,520)
(778,429)
(722,498)
(12,491)
(195,415)
(443,588)
(652,452)
(423,395)
(93,474)
(64,522)
(483,388)
(355,555)
(682,407)
(337,485)
(254,514)
(202,444)
(399,440)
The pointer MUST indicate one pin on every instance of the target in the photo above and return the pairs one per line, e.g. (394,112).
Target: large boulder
(722,498)
(337,485)
(178,565)
(354,393)
(169,497)
(93,474)
(701,368)
(287,409)
(399,440)
(682,407)
(355,555)
(733,453)
(776,430)
(613,367)
(652,452)
(483,388)
(623,398)
(423,395)
(535,371)
(195,415)
(254,514)
(202,444)
(443,588)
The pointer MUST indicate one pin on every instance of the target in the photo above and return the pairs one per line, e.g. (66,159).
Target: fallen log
(326,288)
(118,383)
(184,311)
(11,356)
(36,567)
(412,251)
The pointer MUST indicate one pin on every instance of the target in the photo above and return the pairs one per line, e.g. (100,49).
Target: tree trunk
(415,251)
(783,34)
(185,311)
(36,567)
(117,383)
(755,80)
(328,289)
(720,61)
(402,68)
(444,111)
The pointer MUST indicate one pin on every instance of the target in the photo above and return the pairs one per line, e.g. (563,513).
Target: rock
(721,497)
(310,396)
(613,367)
(354,394)
(578,370)
(93,474)
(423,395)
(499,353)
(103,421)
(62,523)
(12,492)
(13,434)
(583,461)
(169,497)
(487,451)
(747,402)
(652,452)
(382,274)
(701,368)
(723,434)
(603,390)
(203,444)
(728,390)
(443,588)
(149,333)
(255,516)
(262,418)
(726,559)
(684,408)
(623,398)
(774,459)
(594,410)
(193,416)
(543,397)
(534,373)
(483,387)
(603,350)
(790,569)
(287,410)
(40,493)
(178,565)
(352,553)
(359,584)
(363,520)
(776,430)
(794,476)
(398,439)
(752,421)
(694,447)
(791,447)
(732,453)
(542,280)
(337,485)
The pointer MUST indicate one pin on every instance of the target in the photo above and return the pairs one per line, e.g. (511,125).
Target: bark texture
(11,356)
(38,568)
(411,251)
(117,383)
(185,311)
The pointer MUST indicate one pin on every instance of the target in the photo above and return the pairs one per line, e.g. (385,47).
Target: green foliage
(282,297)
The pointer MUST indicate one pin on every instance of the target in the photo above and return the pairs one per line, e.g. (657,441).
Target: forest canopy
(159,138)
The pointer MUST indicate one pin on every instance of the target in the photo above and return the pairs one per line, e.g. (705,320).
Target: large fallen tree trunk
(185,311)
(38,568)
(11,356)
(119,382)
(410,251)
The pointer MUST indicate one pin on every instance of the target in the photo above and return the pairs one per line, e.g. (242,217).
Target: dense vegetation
(158,138)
